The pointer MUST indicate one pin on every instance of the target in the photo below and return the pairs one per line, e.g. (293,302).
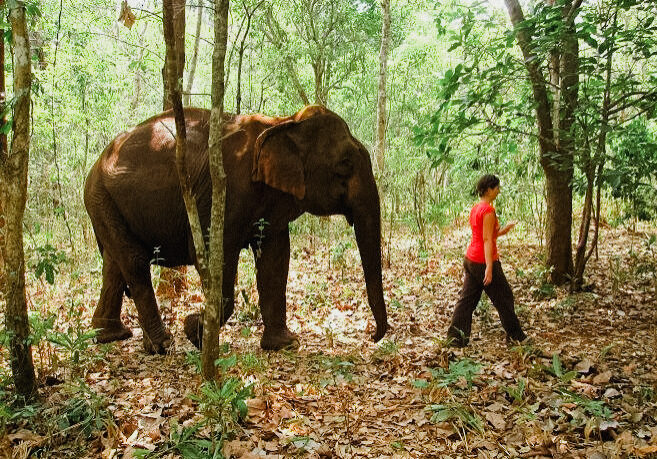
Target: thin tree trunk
(249,16)
(381,106)
(13,195)
(172,11)
(594,173)
(3,148)
(215,301)
(187,97)
(136,94)
(596,232)
(276,36)
(175,277)
(178,31)
(240,59)
(585,225)
(59,204)
(319,69)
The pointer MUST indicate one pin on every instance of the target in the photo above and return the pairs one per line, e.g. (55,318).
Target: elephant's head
(315,158)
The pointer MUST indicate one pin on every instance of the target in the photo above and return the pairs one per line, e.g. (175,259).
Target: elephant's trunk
(367,225)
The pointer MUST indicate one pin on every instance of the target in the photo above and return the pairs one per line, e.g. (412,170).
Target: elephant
(276,169)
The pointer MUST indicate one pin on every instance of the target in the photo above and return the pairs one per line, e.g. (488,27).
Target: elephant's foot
(194,329)
(380,332)
(110,330)
(278,339)
(157,343)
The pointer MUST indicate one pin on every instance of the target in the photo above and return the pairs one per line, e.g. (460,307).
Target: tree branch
(644,96)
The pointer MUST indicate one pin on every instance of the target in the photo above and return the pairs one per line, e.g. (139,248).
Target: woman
(483,271)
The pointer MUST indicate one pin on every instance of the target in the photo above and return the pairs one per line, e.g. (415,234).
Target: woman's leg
(500,293)
(459,329)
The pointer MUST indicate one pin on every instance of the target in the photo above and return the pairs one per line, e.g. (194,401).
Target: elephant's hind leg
(124,250)
(136,270)
(107,316)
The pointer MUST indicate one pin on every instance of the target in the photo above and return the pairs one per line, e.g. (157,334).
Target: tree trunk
(276,36)
(172,10)
(178,35)
(240,59)
(555,145)
(594,174)
(249,17)
(176,278)
(187,97)
(215,300)
(558,223)
(380,150)
(560,257)
(136,94)
(3,148)
(13,195)
(320,68)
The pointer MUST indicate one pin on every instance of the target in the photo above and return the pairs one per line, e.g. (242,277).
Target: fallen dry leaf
(602,378)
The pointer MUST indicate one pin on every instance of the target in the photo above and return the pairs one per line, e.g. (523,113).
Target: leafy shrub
(223,405)
(459,415)
(460,371)
(47,261)
(633,169)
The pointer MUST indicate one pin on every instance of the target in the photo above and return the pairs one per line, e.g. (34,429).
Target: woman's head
(485,183)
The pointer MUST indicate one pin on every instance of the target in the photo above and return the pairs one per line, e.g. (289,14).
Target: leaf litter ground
(586,387)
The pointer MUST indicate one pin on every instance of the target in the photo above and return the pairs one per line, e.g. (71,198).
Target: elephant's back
(138,173)
(153,142)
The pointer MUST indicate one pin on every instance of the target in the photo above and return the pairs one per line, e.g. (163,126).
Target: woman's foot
(522,340)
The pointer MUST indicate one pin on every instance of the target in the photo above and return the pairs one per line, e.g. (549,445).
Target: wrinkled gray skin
(277,169)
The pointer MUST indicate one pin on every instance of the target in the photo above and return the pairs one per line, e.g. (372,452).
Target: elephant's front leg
(194,322)
(272,263)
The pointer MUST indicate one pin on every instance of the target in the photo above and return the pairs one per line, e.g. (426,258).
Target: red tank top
(475,251)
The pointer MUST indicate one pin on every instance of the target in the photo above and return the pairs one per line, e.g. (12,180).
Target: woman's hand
(508,227)
(488,275)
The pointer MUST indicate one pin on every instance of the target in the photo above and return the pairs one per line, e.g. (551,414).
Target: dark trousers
(498,291)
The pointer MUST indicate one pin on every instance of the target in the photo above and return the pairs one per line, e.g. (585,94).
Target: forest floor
(586,387)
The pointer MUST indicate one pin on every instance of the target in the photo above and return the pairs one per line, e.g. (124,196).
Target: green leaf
(227,362)
(420,383)
(556,365)
(190,451)
(50,274)
(568,376)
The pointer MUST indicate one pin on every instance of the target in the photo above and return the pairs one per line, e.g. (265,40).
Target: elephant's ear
(277,161)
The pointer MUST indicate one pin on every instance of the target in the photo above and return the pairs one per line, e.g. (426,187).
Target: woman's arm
(489,225)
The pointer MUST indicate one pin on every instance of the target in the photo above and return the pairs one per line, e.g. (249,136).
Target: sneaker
(457,342)
(525,341)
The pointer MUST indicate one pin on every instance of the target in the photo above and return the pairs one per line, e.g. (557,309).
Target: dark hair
(485,183)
